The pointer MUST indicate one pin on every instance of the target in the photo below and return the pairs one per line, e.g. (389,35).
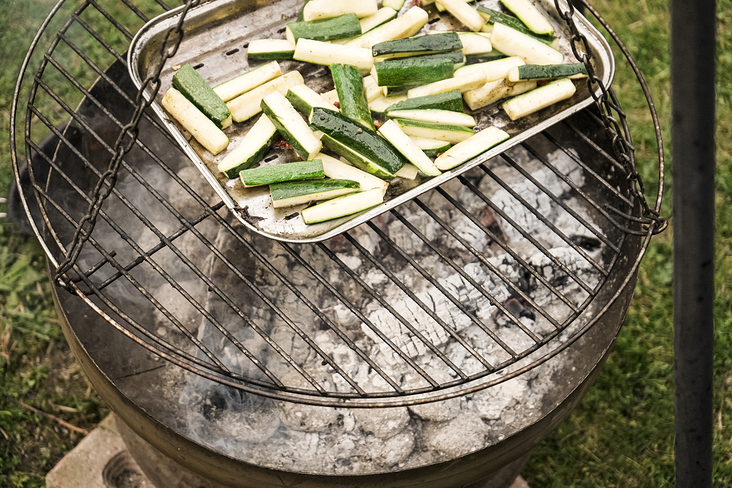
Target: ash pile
(443,291)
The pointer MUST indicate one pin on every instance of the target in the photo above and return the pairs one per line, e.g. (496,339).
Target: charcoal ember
(458,437)
(490,403)
(306,418)
(569,258)
(383,422)
(392,451)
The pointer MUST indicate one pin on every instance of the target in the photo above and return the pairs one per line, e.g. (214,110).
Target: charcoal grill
(496,295)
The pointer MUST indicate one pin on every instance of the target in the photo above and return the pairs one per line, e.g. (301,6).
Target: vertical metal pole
(693,75)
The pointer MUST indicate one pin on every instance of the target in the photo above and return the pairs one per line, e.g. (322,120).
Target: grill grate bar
(529,237)
(600,151)
(136,10)
(419,302)
(112,20)
(514,288)
(99,38)
(483,261)
(457,268)
(431,279)
(564,206)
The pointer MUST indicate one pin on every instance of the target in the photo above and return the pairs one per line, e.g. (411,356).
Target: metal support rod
(693,75)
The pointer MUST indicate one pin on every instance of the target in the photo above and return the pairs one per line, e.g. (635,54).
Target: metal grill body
(517,274)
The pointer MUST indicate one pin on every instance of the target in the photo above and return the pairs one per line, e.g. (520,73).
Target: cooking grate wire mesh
(67,148)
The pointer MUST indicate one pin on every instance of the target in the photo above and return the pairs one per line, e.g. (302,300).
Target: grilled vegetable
(546,72)
(194,121)
(464,13)
(434,116)
(325,9)
(391,131)
(539,98)
(470,148)
(381,104)
(431,147)
(318,52)
(277,173)
(358,144)
(412,71)
(403,26)
(494,91)
(304,98)
(494,70)
(475,43)
(340,27)
(270,49)
(494,16)
(442,132)
(449,100)
(192,85)
(248,81)
(290,124)
(343,171)
(289,193)
(514,43)
(395,4)
(248,105)
(467,82)
(529,15)
(411,46)
(352,95)
(383,15)
(342,206)
(252,147)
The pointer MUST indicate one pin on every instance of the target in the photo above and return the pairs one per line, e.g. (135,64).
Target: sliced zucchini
(494,70)
(383,15)
(325,53)
(391,131)
(546,72)
(291,125)
(441,8)
(342,206)
(381,104)
(396,91)
(343,171)
(325,9)
(405,25)
(352,94)
(192,85)
(539,98)
(360,145)
(475,44)
(194,121)
(289,193)
(247,105)
(442,132)
(252,148)
(395,4)
(470,148)
(494,16)
(408,172)
(412,71)
(411,46)
(332,29)
(277,173)
(493,91)
(529,15)
(373,91)
(248,81)
(431,147)
(331,96)
(270,49)
(434,116)
(464,13)
(449,100)
(304,98)
(469,81)
(514,43)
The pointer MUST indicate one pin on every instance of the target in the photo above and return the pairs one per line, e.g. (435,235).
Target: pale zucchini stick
(494,91)
(251,149)
(248,81)
(529,15)
(514,43)
(343,206)
(325,9)
(403,26)
(469,81)
(494,70)
(391,131)
(194,121)
(326,53)
(247,105)
(470,148)
(291,125)
(540,98)
(340,170)
(464,13)
(383,15)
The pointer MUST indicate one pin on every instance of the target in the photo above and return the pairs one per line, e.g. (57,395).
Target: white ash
(342,441)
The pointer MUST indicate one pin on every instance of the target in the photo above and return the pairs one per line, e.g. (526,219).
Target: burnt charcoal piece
(586,242)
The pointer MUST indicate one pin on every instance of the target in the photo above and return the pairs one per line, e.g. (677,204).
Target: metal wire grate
(455,291)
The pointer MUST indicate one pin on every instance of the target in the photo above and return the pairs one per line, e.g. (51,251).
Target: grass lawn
(620,436)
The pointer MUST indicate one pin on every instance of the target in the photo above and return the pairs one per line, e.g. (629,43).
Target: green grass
(621,435)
